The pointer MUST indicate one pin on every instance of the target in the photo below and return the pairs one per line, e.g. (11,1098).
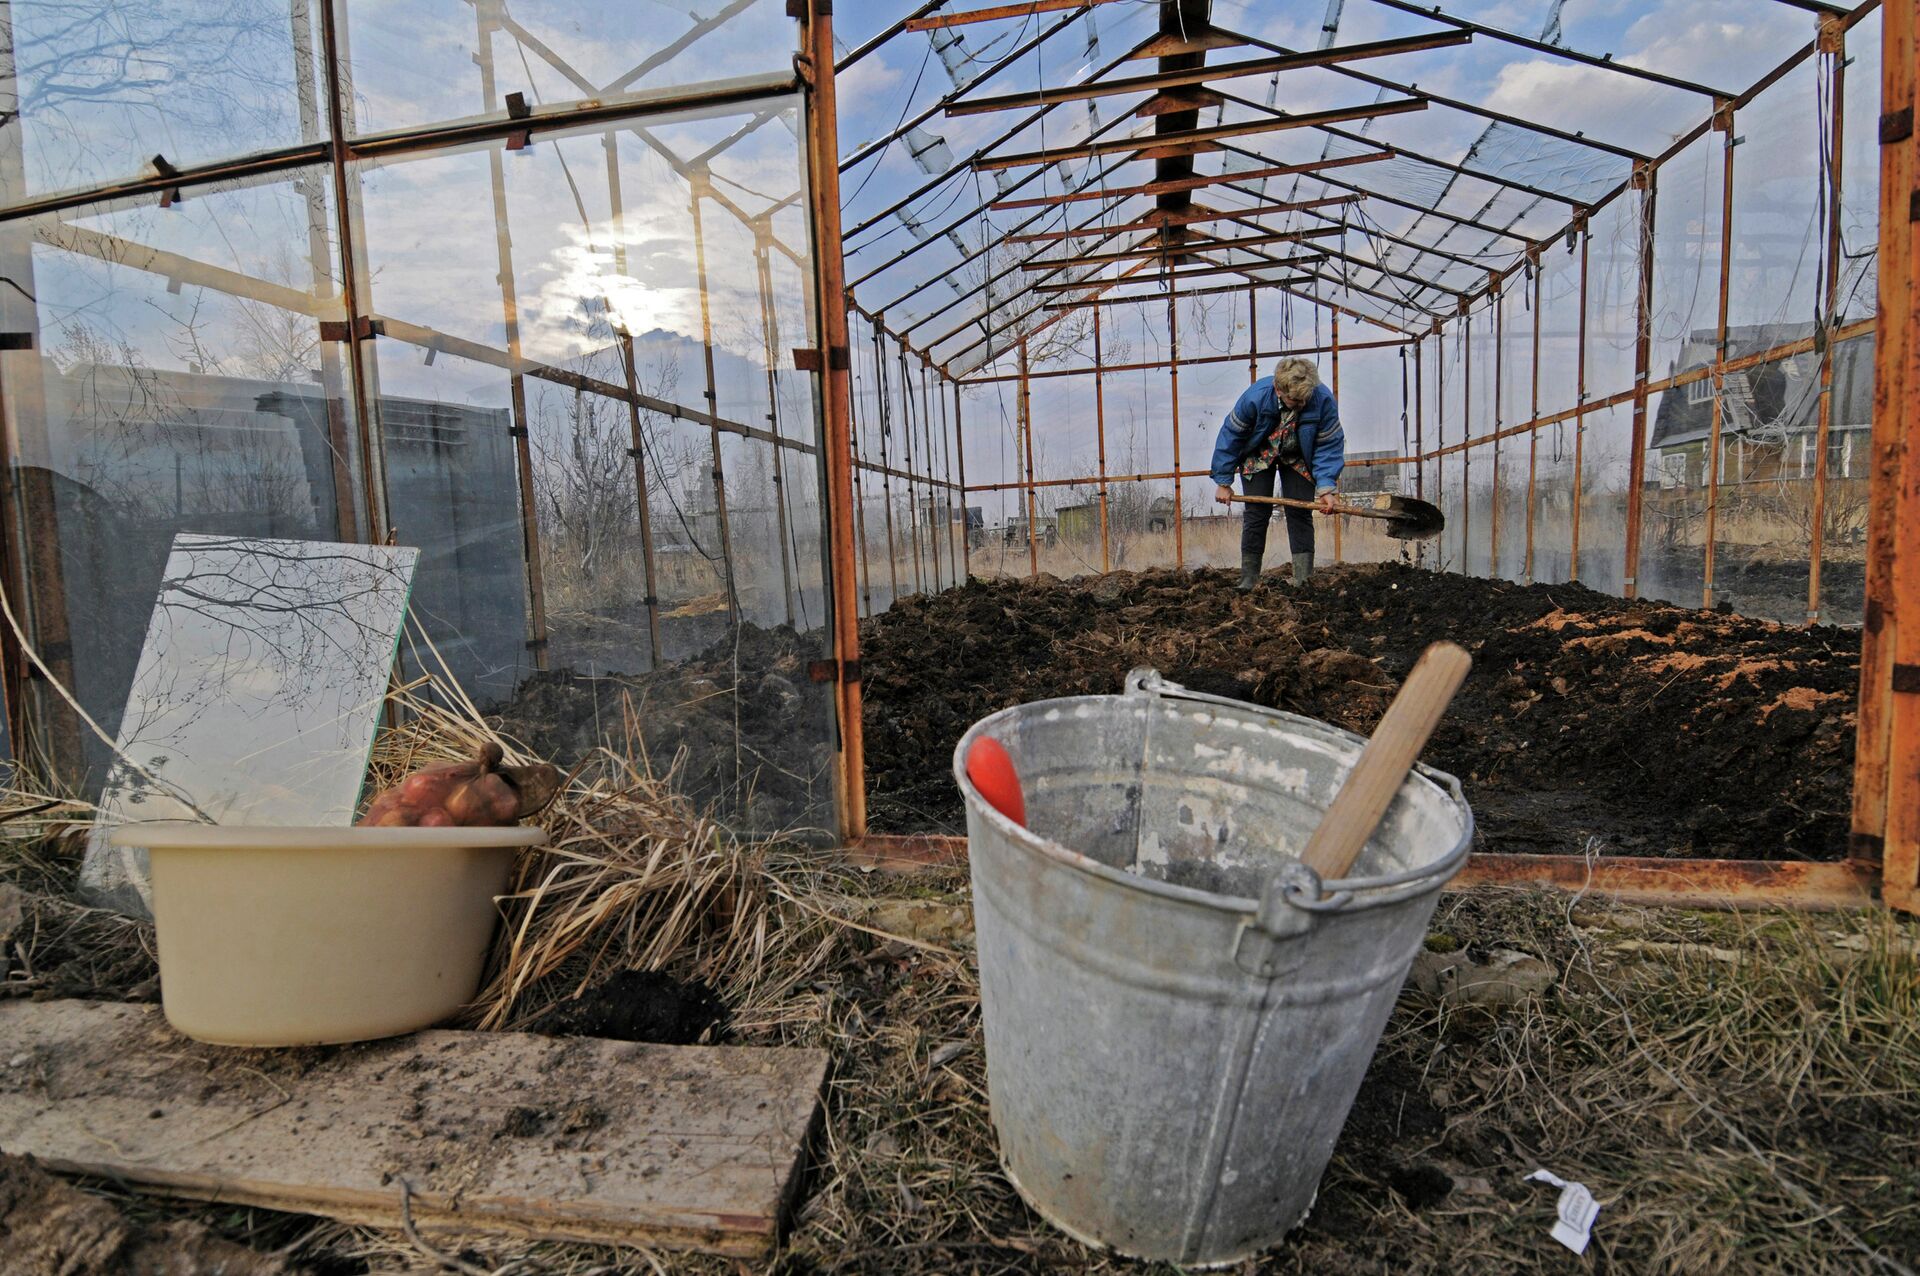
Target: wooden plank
(545,1137)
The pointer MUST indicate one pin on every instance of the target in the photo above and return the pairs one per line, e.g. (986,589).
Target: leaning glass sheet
(257,694)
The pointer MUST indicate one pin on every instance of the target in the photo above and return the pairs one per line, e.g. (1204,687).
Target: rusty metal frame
(1833,43)
(1724,121)
(1020,9)
(1163,220)
(1693,883)
(1647,181)
(1172,185)
(820,139)
(1434,14)
(1161,145)
(1206,74)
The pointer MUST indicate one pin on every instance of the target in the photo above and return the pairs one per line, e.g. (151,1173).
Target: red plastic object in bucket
(991,771)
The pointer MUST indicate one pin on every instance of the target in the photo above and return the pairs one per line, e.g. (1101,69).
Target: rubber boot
(1249,572)
(1302,567)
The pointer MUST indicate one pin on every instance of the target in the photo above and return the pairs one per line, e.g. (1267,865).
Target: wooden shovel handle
(1356,809)
(1290,503)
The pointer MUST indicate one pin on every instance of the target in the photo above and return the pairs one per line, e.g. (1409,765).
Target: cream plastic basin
(309,936)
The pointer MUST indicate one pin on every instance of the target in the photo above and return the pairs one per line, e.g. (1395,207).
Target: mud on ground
(1657,729)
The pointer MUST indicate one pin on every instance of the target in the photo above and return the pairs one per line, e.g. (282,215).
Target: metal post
(1499,423)
(1337,548)
(637,446)
(1833,42)
(1466,452)
(947,471)
(1100,437)
(1173,391)
(1253,333)
(1580,406)
(1645,178)
(886,462)
(516,383)
(1026,436)
(960,455)
(913,499)
(697,183)
(346,213)
(926,444)
(859,499)
(333,373)
(823,167)
(770,336)
(1533,435)
(1419,422)
(1723,118)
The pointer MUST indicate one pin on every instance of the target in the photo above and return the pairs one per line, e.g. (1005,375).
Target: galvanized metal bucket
(1178,1014)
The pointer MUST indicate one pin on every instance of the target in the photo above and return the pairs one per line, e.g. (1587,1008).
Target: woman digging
(1287,425)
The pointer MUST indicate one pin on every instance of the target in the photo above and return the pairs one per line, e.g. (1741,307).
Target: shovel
(1357,808)
(1407,519)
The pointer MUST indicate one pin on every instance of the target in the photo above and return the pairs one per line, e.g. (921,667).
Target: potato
(471,794)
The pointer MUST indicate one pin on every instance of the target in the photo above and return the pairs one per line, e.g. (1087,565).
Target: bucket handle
(1297,886)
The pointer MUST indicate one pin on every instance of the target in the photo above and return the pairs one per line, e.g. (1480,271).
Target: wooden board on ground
(552,1138)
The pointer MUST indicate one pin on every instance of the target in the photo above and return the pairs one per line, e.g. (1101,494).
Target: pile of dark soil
(640,1005)
(49,1228)
(1657,729)
(747,731)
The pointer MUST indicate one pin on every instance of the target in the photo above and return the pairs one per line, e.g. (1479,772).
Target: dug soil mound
(1656,730)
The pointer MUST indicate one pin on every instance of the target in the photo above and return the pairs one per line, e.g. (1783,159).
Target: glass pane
(421,62)
(177,382)
(259,689)
(106,87)
(553,345)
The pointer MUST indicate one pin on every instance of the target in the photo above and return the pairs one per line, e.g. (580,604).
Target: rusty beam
(1724,121)
(1580,405)
(1457,104)
(1175,185)
(986,73)
(1162,219)
(1642,353)
(1158,145)
(835,384)
(1155,251)
(996,13)
(1833,44)
(1180,276)
(1435,14)
(1688,883)
(1100,435)
(1206,75)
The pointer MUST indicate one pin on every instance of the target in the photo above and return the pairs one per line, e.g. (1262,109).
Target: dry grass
(1742,1092)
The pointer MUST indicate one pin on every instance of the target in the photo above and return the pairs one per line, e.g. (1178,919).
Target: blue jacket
(1322,441)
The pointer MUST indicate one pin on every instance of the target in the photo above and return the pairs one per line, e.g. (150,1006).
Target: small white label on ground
(1574,1227)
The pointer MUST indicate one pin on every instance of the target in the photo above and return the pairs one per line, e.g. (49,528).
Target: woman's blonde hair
(1294,379)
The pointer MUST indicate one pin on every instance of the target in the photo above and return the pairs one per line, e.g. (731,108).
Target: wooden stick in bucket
(1357,808)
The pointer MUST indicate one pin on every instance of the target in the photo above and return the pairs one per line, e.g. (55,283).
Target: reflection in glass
(105,85)
(257,695)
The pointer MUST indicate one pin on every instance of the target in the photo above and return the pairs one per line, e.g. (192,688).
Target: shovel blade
(1412,520)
